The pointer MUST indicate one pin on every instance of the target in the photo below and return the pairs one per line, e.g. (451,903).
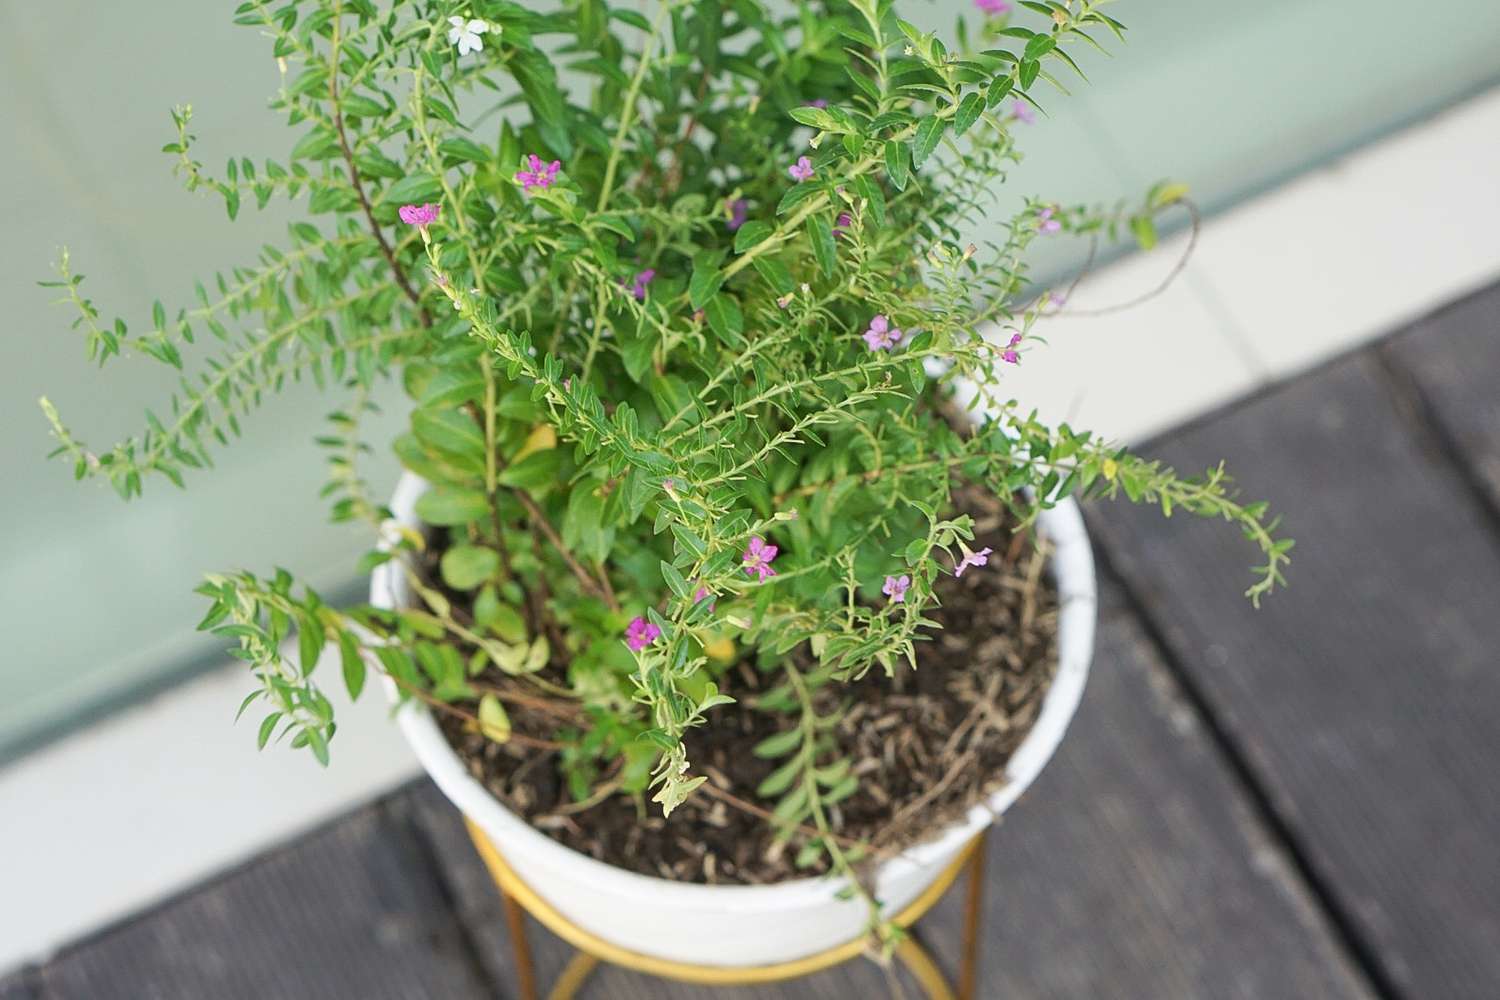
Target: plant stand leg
(579,968)
(968,974)
(520,947)
(923,969)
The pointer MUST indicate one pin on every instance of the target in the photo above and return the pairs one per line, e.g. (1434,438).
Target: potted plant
(724,589)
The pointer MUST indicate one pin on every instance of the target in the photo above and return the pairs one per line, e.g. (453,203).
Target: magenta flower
(817,102)
(1045,223)
(881,336)
(993,7)
(895,588)
(418,215)
(638,286)
(739,211)
(844,221)
(1021,112)
(802,170)
(640,633)
(704,594)
(757,558)
(1009,354)
(539,175)
(980,558)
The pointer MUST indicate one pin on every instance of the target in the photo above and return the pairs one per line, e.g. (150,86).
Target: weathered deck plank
(353,910)
(1136,868)
(1453,358)
(1364,698)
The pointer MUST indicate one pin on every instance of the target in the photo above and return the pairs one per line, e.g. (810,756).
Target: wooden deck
(1298,802)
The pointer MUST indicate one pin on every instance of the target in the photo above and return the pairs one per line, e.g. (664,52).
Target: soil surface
(927,743)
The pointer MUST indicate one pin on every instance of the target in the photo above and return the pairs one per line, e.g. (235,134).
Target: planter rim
(1073,569)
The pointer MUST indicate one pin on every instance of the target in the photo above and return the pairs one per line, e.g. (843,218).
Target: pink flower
(757,558)
(802,170)
(640,633)
(881,336)
(638,286)
(993,6)
(1021,112)
(1009,354)
(1045,223)
(704,594)
(418,215)
(738,211)
(980,558)
(895,588)
(817,102)
(539,175)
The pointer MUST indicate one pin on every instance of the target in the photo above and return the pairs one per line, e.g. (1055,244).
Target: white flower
(465,34)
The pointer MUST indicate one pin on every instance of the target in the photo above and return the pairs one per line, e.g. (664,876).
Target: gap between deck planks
(1361,701)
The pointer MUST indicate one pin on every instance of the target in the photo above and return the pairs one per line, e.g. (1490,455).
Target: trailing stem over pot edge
(668,334)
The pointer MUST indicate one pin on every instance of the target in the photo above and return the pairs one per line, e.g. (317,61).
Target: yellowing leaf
(493,722)
(720,649)
(541,438)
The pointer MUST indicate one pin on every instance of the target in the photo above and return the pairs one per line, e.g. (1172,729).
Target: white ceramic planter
(750,925)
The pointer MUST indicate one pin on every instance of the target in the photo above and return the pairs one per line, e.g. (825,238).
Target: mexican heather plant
(681,326)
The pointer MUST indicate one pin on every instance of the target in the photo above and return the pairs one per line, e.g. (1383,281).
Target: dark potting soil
(927,744)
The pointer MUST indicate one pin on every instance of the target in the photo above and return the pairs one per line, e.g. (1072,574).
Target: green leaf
(896,164)
(1144,230)
(724,316)
(929,132)
(460,148)
(779,745)
(1038,46)
(780,779)
(675,581)
(968,113)
(414,188)
(823,247)
(353,664)
(537,76)
(465,567)
(706,278)
(536,472)
(776,274)
(752,233)
(1029,71)
(494,723)
(447,506)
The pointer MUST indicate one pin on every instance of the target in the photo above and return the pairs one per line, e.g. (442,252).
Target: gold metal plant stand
(519,899)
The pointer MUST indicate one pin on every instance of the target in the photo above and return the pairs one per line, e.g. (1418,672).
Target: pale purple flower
(802,170)
(784,300)
(993,7)
(739,211)
(538,174)
(757,558)
(980,558)
(817,102)
(640,633)
(1021,112)
(465,34)
(1009,354)
(638,286)
(881,336)
(1045,223)
(895,588)
(418,215)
